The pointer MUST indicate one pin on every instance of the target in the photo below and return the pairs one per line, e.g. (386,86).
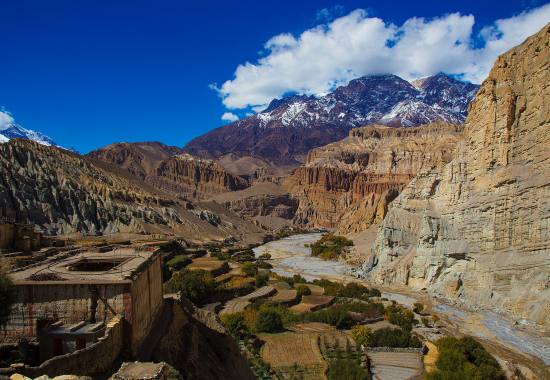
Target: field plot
(287,350)
(209,264)
(263,292)
(285,296)
(312,303)
(236,305)
(395,365)
(280,285)
(330,337)
(316,290)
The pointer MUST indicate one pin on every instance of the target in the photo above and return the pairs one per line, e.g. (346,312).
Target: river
(291,256)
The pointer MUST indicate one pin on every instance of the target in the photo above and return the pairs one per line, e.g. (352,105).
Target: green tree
(235,325)
(196,285)
(268,321)
(249,269)
(261,279)
(418,307)
(7,299)
(303,290)
(361,334)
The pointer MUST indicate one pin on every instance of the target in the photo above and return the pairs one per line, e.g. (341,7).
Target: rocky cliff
(62,192)
(349,184)
(478,230)
(167,168)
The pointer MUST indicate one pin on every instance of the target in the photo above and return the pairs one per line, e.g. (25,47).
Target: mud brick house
(92,287)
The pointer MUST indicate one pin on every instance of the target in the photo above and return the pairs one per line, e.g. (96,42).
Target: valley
(387,229)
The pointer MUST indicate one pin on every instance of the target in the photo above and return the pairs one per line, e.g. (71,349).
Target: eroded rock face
(62,192)
(349,184)
(198,178)
(478,229)
(168,169)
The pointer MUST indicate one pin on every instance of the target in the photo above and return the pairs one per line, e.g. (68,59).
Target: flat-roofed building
(92,286)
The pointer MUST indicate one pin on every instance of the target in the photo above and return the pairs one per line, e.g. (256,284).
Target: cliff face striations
(168,169)
(62,192)
(478,230)
(349,184)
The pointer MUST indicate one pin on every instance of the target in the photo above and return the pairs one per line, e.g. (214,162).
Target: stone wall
(7,235)
(68,303)
(146,301)
(92,360)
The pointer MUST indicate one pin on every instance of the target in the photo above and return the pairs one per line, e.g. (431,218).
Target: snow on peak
(9,129)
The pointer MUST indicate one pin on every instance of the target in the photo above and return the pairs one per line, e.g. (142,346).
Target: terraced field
(395,365)
(292,352)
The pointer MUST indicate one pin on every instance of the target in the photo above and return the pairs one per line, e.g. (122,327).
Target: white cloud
(355,44)
(6,120)
(229,116)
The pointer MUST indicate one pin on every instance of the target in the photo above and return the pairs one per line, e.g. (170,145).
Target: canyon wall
(169,169)
(348,185)
(194,177)
(477,230)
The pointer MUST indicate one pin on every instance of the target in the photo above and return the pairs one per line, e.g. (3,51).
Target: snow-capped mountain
(11,130)
(288,128)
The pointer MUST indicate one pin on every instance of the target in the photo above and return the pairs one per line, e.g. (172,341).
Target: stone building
(90,286)
(16,236)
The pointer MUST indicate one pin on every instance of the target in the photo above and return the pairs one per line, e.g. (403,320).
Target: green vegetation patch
(330,246)
(464,359)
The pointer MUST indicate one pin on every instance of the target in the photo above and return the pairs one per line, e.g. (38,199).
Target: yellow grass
(431,357)
(208,264)
(312,303)
(285,350)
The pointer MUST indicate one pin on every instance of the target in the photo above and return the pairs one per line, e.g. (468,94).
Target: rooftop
(91,267)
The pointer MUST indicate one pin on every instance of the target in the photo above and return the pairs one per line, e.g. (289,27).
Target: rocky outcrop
(266,203)
(349,184)
(62,192)
(478,229)
(194,177)
(140,159)
(169,169)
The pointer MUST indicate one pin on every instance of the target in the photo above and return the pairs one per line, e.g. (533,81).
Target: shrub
(196,285)
(418,307)
(265,256)
(7,299)
(353,290)
(336,317)
(426,321)
(261,279)
(330,246)
(235,325)
(268,321)
(375,292)
(401,317)
(346,369)
(178,262)
(331,288)
(389,337)
(249,269)
(303,290)
(465,359)
(361,334)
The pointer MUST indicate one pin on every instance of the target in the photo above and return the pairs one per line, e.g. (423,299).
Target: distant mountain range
(288,128)
(13,131)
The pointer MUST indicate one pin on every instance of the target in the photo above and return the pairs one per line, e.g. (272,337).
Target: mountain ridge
(288,128)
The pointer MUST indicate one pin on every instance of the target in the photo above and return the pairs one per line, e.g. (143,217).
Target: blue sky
(89,73)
